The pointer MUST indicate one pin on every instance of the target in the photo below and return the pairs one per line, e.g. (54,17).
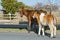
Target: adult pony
(47,19)
(29,14)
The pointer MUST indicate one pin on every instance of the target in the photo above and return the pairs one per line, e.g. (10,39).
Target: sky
(34,2)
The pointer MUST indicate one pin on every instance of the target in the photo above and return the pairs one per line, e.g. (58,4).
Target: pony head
(21,11)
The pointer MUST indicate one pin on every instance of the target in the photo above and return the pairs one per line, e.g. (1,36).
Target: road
(24,36)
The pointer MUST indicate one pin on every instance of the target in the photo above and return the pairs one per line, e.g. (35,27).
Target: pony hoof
(28,31)
(42,35)
(53,37)
(38,35)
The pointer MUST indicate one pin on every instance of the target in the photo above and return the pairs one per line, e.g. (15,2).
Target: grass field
(58,31)
(20,30)
(12,30)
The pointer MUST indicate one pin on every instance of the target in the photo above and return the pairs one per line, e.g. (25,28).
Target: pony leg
(29,26)
(54,30)
(51,30)
(43,33)
(40,27)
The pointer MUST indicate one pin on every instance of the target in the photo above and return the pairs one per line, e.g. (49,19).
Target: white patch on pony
(43,31)
(33,16)
(39,31)
(41,17)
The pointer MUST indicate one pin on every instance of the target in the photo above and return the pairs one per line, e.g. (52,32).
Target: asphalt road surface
(24,36)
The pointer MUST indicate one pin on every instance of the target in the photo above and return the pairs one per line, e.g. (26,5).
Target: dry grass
(58,31)
(12,30)
(20,30)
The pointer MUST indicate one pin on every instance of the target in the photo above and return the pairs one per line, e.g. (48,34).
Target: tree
(52,5)
(11,6)
(38,6)
(51,8)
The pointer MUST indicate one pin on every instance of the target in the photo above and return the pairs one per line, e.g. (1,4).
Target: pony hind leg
(51,30)
(54,27)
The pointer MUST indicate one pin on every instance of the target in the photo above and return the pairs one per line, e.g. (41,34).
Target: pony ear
(22,7)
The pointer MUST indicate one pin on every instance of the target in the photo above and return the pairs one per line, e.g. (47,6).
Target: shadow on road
(47,34)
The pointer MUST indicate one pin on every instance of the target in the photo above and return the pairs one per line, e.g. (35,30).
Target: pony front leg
(29,26)
(29,23)
(55,31)
(40,28)
(43,33)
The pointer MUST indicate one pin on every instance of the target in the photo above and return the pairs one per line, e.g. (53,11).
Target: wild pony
(47,19)
(29,14)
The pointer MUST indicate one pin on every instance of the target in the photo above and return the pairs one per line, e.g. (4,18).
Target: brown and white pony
(47,19)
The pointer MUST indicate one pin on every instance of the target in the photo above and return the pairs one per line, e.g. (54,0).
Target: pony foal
(47,19)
